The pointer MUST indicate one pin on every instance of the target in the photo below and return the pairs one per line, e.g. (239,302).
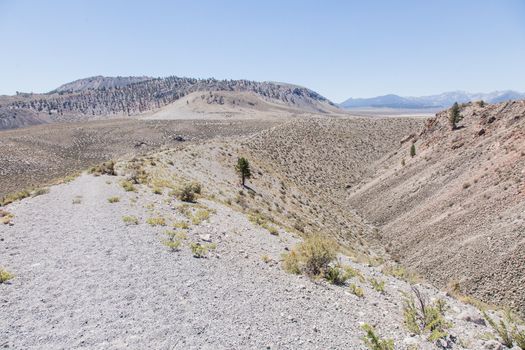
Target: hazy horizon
(339,49)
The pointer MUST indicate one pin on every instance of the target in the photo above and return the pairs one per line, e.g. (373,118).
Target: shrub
(351,272)
(200,216)
(356,290)
(113,199)
(13,197)
(106,168)
(158,221)
(508,330)
(157,190)
(413,150)
(5,217)
(173,242)
(186,193)
(198,250)
(336,276)
(402,273)
(128,186)
(5,275)
(312,256)
(40,191)
(374,342)
(421,317)
(130,220)
(181,224)
(291,262)
(378,285)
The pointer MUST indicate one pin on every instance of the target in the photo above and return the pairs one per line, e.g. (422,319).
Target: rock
(472,316)
(205,237)
(481,132)
(410,342)
(492,345)
(179,138)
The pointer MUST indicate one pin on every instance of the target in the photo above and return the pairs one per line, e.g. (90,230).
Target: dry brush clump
(311,257)
(106,168)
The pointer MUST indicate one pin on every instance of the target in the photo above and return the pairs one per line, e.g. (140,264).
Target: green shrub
(422,317)
(114,199)
(314,255)
(374,342)
(173,242)
(378,285)
(508,330)
(200,216)
(336,275)
(128,186)
(130,220)
(356,290)
(198,250)
(5,275)
(157,221)
(187,192)
(413,150)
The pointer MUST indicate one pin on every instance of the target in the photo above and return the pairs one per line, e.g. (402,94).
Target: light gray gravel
(86,280)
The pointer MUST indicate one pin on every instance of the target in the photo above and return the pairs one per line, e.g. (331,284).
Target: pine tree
(454,116)
(243,169)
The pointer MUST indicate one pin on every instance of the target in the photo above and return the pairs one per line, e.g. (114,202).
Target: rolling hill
(110,97)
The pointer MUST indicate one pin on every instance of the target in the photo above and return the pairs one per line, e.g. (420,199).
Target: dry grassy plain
(41,154)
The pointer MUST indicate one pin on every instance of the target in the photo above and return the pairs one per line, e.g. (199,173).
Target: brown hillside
(455,211)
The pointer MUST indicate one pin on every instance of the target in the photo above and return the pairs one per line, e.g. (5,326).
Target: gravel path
(86,280)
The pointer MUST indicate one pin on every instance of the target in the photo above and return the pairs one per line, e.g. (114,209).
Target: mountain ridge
(102,97)
(438,101)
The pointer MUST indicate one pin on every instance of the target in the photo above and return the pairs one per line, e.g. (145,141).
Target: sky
(340,49)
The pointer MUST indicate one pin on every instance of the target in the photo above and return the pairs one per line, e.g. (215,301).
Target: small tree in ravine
(243,169)
(413,150)
(454,116)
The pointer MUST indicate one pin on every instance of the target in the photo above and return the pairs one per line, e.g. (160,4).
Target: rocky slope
(455,211)
(102,97)
(93,273)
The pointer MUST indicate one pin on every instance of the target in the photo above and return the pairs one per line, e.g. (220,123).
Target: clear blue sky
(338,48)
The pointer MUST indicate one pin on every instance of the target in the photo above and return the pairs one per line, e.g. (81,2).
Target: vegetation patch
(423,317)
(13,197)
(402,273)
(356,290)
(5,217)
(5,275)
(311,257)
(156,221)
(128,186)
(510,329)
(106,168)
(114,199)
(374,342)
(130,220)
(201,250)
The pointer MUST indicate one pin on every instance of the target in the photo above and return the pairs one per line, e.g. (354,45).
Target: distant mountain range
(440,101)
